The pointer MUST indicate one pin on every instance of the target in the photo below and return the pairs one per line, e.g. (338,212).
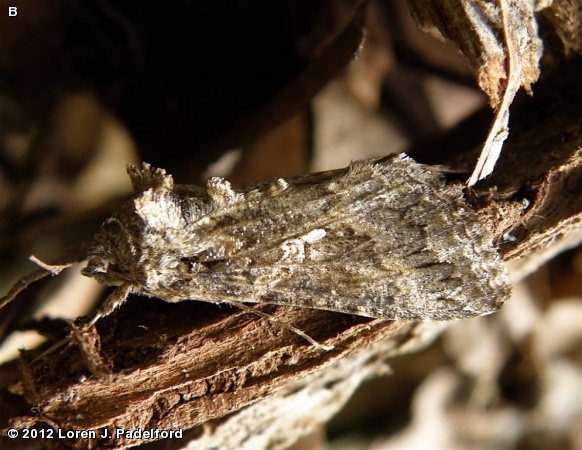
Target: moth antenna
(290,327)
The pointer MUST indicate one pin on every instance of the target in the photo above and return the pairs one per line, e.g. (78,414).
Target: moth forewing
(383,238)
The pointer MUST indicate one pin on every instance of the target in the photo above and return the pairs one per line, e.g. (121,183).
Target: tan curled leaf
(499,38)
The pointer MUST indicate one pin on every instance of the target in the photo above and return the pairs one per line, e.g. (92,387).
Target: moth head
(99,265)
(145,241)
(111,261)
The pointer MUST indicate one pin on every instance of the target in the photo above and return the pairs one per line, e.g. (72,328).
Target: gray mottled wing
(382,239)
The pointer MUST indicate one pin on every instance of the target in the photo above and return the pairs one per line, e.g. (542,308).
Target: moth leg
(112,302)
(283,324)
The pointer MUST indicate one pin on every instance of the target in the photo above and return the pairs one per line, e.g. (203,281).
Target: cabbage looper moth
(383,238)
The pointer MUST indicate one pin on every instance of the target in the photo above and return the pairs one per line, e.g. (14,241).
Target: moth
(382,238)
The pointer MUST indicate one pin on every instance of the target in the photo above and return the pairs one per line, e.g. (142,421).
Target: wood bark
(225,375)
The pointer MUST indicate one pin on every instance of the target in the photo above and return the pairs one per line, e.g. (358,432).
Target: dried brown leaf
(501,43)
